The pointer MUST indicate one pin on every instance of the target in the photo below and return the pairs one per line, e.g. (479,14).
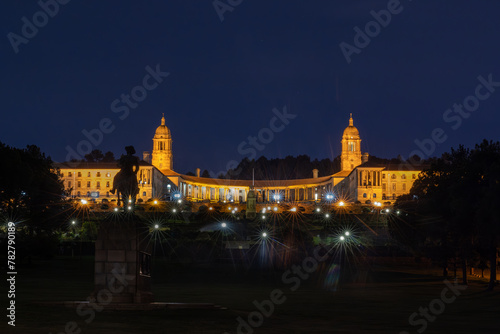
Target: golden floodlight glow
(341,203)
(83,201)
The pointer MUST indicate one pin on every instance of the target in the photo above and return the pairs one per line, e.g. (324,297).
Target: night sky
(227,76)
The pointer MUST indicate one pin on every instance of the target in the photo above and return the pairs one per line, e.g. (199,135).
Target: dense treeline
(452,213)
(287,168)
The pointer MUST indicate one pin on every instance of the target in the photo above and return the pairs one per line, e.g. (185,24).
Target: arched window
(393,176)
(403,176)
(143,194)
(364,195)
(352,146)
(374,195)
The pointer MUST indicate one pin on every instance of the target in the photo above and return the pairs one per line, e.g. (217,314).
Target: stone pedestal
(122,262)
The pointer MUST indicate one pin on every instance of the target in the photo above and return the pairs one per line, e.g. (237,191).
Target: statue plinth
(122,262)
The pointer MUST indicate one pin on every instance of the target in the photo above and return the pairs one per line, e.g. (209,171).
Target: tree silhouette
(454,204)
(94,156)
(109,157)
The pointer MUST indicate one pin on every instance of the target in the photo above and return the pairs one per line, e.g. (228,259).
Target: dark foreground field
(381,301)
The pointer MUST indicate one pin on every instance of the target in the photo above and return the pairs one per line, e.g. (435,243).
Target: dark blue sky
(226,77)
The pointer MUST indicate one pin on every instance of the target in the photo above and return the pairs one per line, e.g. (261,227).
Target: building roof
(258,183)
(92,165)
(351,131)
(402,166)
(162,132)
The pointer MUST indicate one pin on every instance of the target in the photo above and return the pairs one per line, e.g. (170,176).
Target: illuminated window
(79,174)
(352,146)
(404,186)
(403,176)
(384,186)
(393,176)
(88,184)
(383,176)
(98,185)
(98,174)
(374,195)
(79,184)
(70,174)
(88,174)
(69,184)
(394,186)
(107,184)
(364,195)
(143,194)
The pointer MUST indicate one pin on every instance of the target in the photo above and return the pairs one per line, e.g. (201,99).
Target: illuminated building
(95,179)
(359,179)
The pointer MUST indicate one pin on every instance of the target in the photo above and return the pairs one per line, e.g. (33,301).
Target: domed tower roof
(351,131)
(162,131)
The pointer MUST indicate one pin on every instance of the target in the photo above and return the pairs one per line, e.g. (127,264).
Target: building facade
(94,180)
(359,179)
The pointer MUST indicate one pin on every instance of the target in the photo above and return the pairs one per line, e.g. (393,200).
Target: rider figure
(125,181)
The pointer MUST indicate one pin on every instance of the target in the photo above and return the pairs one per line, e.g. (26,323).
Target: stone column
(123,262)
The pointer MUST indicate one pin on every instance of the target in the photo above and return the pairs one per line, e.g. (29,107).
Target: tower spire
(351,123)
(162,118)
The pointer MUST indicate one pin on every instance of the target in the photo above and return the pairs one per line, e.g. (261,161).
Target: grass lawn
(379,302)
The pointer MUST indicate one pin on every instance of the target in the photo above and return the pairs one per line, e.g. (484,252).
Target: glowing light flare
(294,209)
(341,203)
(156,226)
(223,225)
(83,201)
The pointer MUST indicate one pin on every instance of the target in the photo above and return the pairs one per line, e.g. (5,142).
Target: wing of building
(359,179)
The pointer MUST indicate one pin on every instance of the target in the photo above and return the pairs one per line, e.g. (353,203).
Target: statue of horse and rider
(125,181)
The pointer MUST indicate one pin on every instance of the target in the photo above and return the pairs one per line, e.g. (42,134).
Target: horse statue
(125,181)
